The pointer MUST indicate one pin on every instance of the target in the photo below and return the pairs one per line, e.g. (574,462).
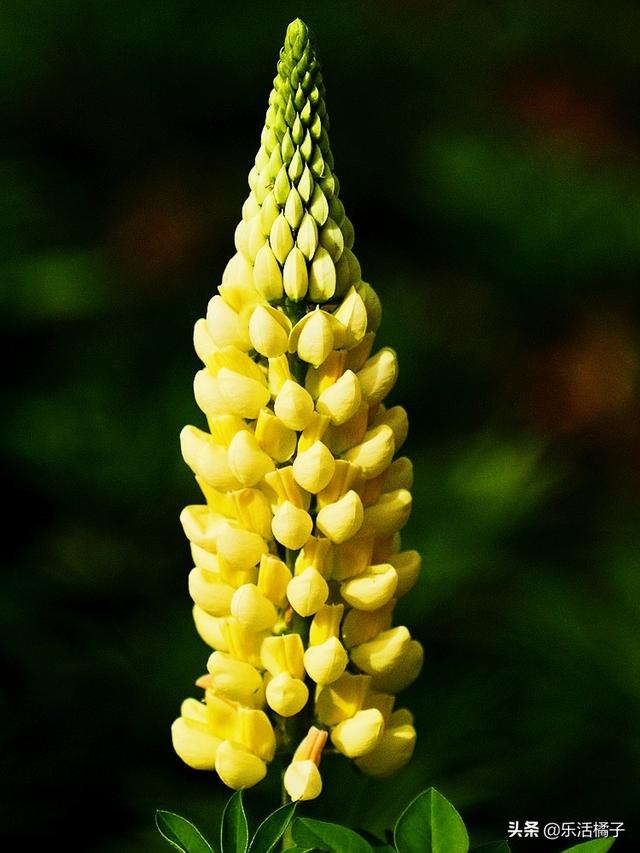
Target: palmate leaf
(430,824)
(329,837)
(234,832)
(272,829)
(181,833)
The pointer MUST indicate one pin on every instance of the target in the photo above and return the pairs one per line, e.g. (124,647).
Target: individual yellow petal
(327,661)
(207,458)
(247,461)
(317,554)
(276,439)
(352,314)
(357,357)
(211,629)
(393,751)
(237,767)
(372,305)
(302,781)
(252,608)
(280,485)
(341,699)
(322,276)
(316,338)
(307,592)
(210,592)
(273,578)
(244,643)
(359,626)
(291,525)
(253,511)
(242,395)
(407,566)
(318,379)
(372,589)
(267,275)
(375,451)
(194,743)
(224,427)
(293,405)
(341,438)
(205,559)
(399,475)
(240,548)
(237,288)
(253,730)
(206,391)
(220,713)
(360,734)
(382,654)
(405,671)
(203,343)
(314,468)
(283,653)
(202,526)
(286,695)
(341,401)
(396,418)
(235,679)
(341,520)
(225,326)
(378,375)
(295,276)
(325,624)
(313,432)
(388,515)
(269,331)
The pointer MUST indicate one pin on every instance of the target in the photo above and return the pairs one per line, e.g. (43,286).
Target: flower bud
(267,275)
(242,395)
(360,353)
(352,315)
(341,520)
(209,592)
(342,400)
(307,239)
(405,671)
(295,276)
(374,453)
(291,525)
(407,566)
(313,468)
(316,338)
(383,653)
(252,608)
(273,578)
(225,325)
(378,376)
(276,439)
(247,461)
(237,767)
(393,751)
(359,626)
(399,475)
(322,276)
(307,592)
(388,515)
(207,393)
(395,417)
(269,331)
(293,209)
(294,405)
(372,304)
(235,679)
(302,781)
(253,730)
(286,695)
(372,589)
(341,699)
(281,239)
(326,661)
(360,734)
(331,239)
(203,343)
(207,458)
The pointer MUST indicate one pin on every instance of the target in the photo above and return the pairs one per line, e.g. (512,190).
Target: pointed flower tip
(297,31)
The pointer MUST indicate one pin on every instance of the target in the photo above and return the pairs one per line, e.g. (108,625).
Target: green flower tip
(297,36)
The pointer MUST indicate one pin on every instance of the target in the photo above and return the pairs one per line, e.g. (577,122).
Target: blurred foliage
(490,156)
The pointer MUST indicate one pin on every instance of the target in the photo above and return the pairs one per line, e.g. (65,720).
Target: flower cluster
(298,561)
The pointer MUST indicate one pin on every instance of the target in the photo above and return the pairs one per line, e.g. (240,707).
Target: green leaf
(300,850)
(597,845)
(272,829)
(234,832)
(430,824)
(328,837)
(493,847)
(181,833)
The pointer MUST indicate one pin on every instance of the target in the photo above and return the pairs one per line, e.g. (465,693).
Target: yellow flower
(297,534)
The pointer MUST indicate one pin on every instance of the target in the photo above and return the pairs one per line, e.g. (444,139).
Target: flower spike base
(296,547)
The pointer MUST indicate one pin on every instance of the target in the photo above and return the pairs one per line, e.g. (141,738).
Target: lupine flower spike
(296,548)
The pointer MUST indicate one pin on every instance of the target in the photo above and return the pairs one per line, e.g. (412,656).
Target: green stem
(287,838)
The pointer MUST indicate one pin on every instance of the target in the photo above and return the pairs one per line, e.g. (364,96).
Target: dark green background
(489,154)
